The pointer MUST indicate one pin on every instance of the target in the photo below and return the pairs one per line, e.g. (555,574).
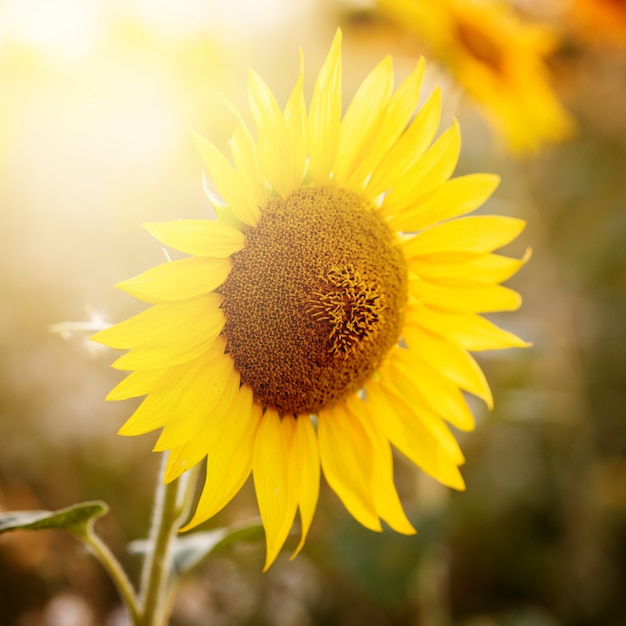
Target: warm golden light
(61,31)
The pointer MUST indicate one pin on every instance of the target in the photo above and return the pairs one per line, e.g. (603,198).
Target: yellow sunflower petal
(413,405)
(153,412)
(178,280)
(230,459)
(246,162)
(470,332)
(432,169)
(388,505)
(361,121)
(207,428)
(410,147)
(484,269)
(296,120)
(160,319)
(345,454)
(449,360)
(166,344)
(390,127)
(239,198)
(454,198)
(478,234)
(206,399)
(325,115)
(415,381)
(276,496)
(382,411)
(155,409)
(198,237)
(438,427)
(481,299)
(273,136)
(137,383)
(409,435)
(305,454)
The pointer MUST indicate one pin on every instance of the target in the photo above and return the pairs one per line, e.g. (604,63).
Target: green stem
(115,571)
(170,508)
(186,500)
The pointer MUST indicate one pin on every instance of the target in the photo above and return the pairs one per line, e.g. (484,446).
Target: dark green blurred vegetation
(538,538)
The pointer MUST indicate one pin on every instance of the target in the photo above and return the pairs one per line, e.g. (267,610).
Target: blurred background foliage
(95,101)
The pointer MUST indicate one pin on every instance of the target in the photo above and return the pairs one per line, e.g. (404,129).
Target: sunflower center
(315,300)
(481,45)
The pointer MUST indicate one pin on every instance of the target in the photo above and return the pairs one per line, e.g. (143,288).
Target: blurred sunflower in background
(327,313)
(498,58)
(600,20)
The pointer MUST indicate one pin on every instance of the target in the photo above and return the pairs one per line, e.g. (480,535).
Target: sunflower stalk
(171,507)
(115,571)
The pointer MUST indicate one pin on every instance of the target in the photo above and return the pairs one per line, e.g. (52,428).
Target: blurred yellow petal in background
(498,59)
(599,21)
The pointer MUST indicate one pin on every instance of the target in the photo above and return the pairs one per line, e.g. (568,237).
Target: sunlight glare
(218,16)
(61,31)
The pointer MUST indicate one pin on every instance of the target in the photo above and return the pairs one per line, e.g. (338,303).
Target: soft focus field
(96,99)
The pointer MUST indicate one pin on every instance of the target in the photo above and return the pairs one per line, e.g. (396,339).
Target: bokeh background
(96,99)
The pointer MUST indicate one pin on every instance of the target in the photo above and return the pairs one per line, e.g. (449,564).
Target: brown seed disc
(315,300)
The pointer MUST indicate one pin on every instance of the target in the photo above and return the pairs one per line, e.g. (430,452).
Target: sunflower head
(327,316)
(600,21)
(498,58)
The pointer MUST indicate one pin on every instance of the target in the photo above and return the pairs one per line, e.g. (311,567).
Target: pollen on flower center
(315,300)
(351,305)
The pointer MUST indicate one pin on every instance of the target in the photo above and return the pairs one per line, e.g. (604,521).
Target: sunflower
(600,21)
(497,58)
(327,314)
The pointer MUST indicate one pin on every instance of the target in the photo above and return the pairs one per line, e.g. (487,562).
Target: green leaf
(76,518)
(189,550)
